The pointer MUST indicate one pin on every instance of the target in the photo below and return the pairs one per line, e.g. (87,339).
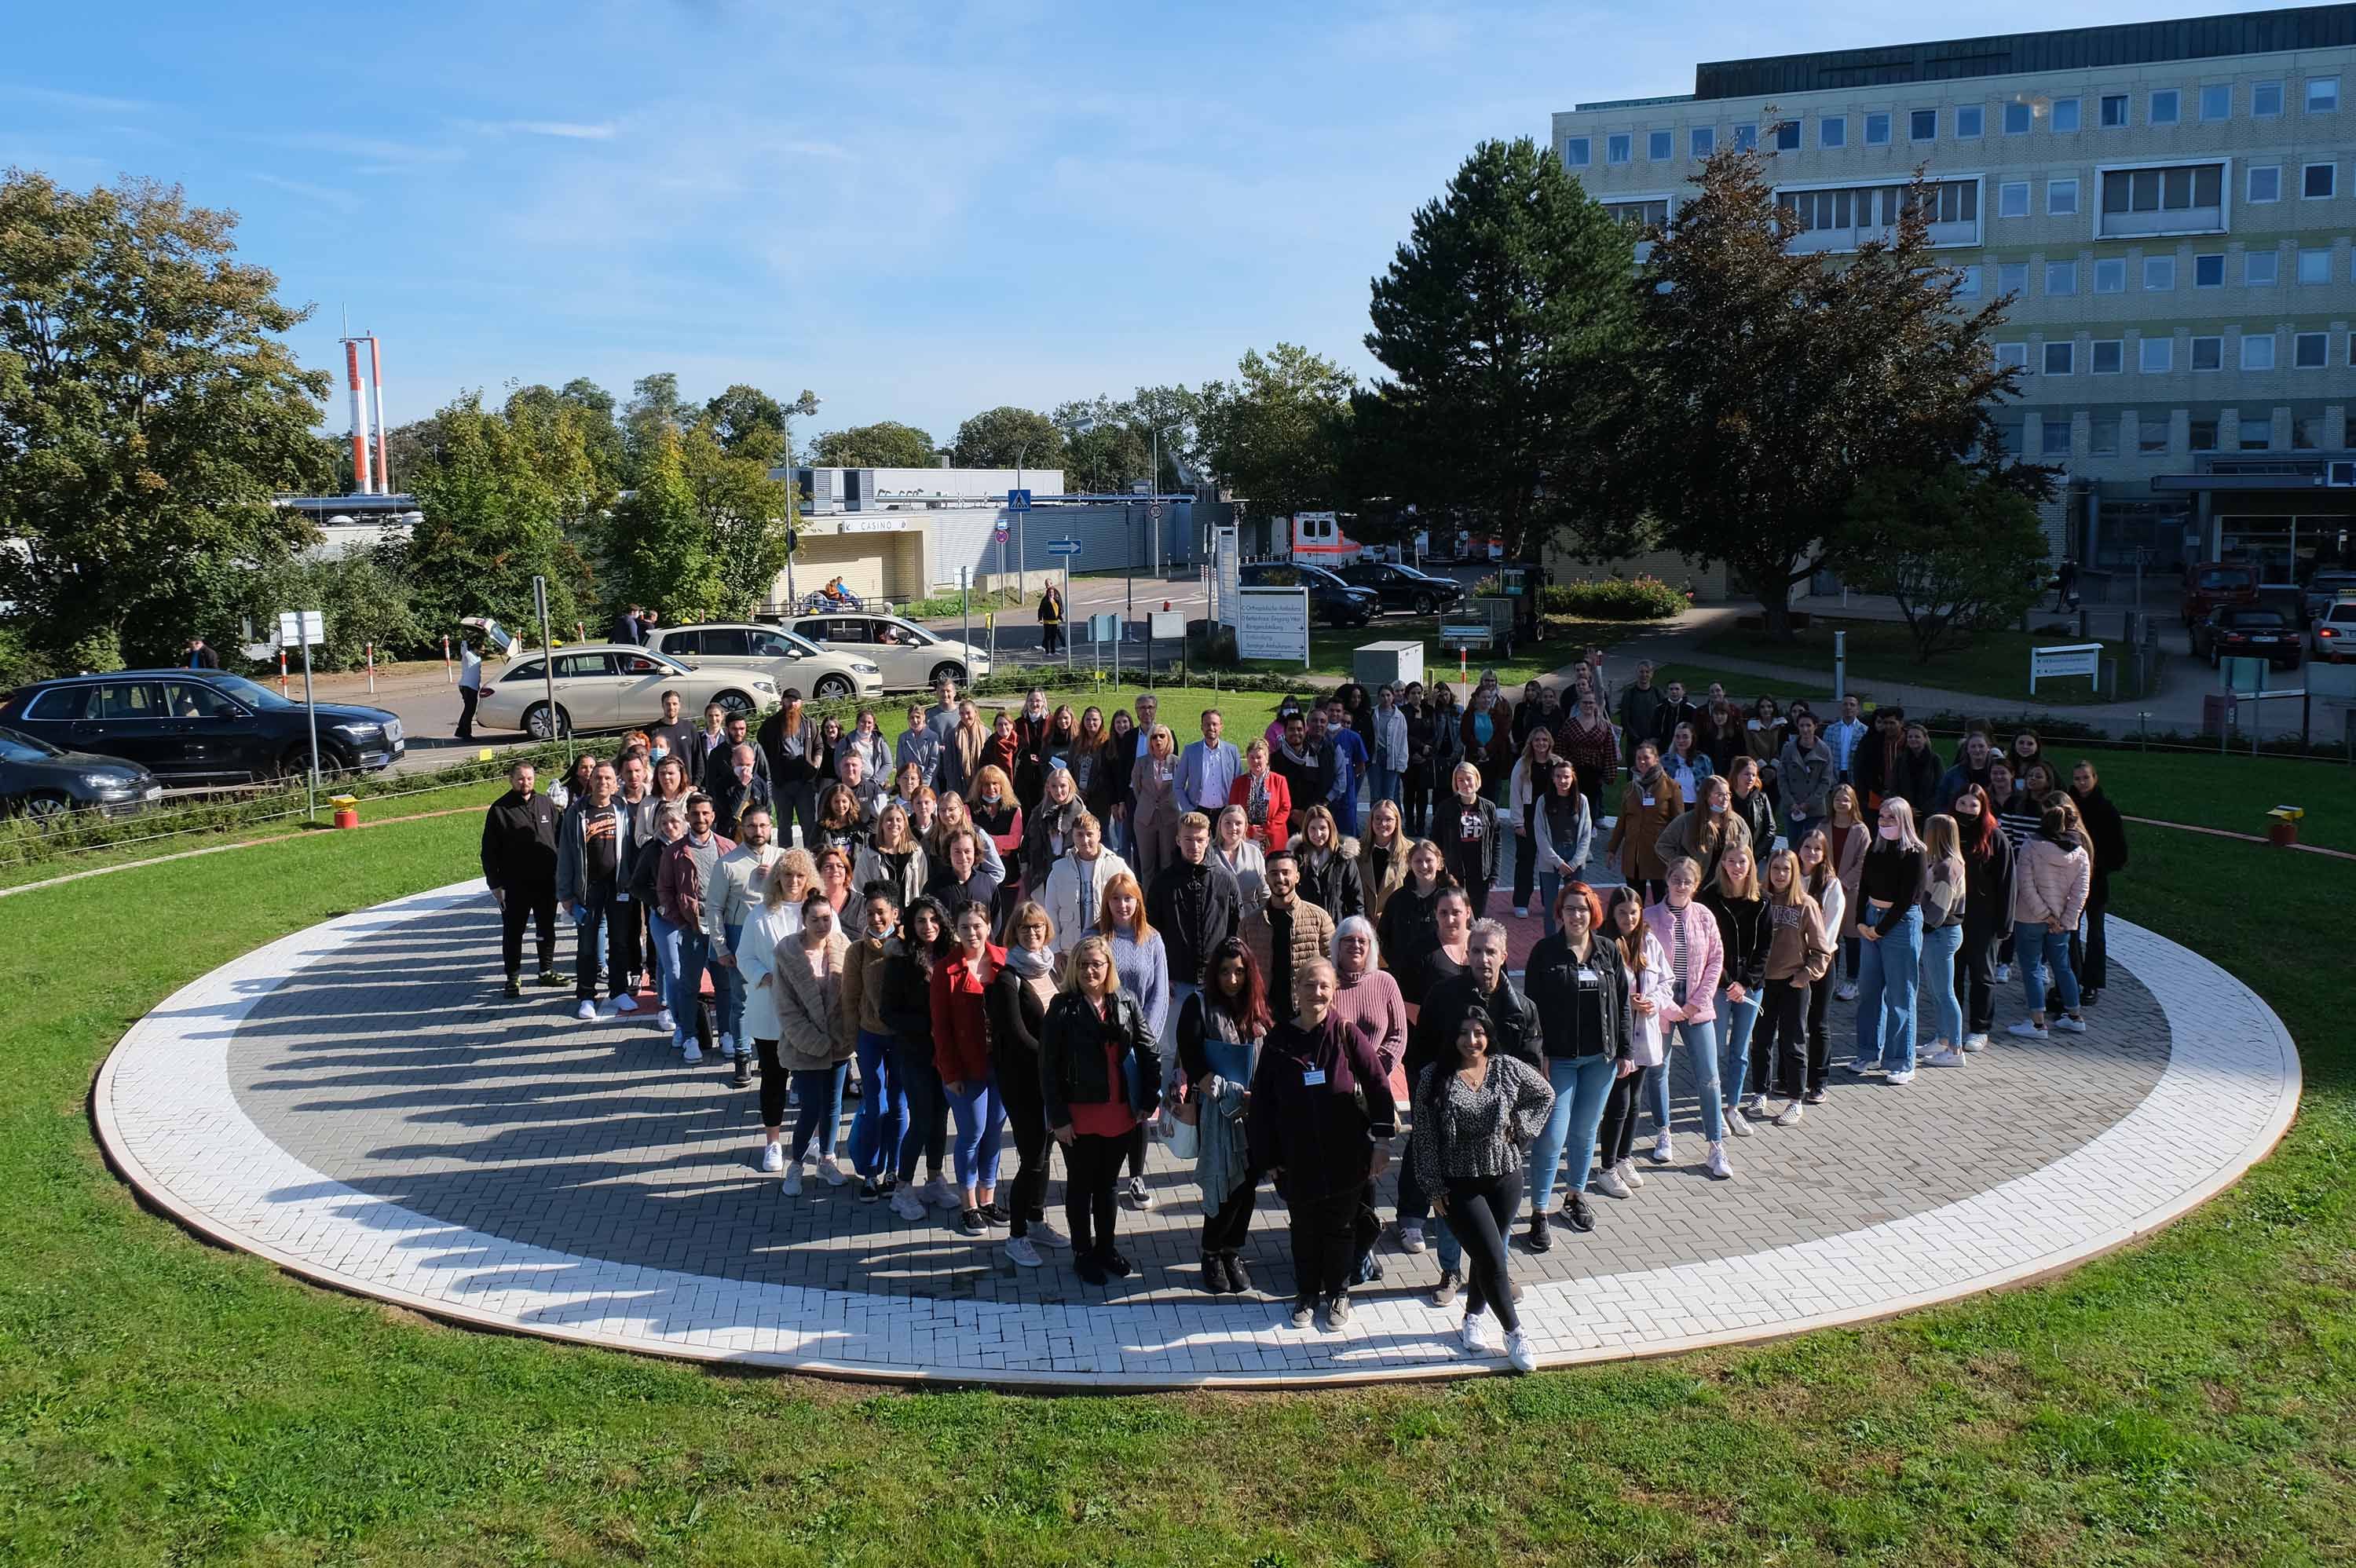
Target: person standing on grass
(588,872)
(961,1054)
(1100,1076)
(1017,1007)
(1207,769)
(520,861)
(882,1118)
(470,686)
(1688,933)
(2106,840)
(1890,923)
(1470,841)
(1219,1035)
(2051,879)
(1476,1114)
(1647,806)
(690,869)
(1320,1120)
(1579,988)
(732,893)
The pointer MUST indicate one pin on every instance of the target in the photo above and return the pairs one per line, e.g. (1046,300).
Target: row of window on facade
(2212,102)
(2261,268)
(2108,434)
(2157,355)
(2183,187)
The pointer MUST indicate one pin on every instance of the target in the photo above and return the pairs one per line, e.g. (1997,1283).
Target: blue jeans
(1700,1040)
(728,996)
(821,1092)
(1887,972)
(2034,948)
(1795,831)
(882,1118)
(1387,783)
(980,1123)
(691,955)
(1549,890)
(665,959)
(1736,1021)
(1414,1208)
(1581,1084)
(1939,949)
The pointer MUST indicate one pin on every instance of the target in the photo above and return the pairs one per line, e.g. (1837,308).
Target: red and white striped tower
(361,483)
(376,384)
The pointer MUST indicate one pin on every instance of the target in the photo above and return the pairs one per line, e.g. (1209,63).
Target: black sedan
(39,782)
(1330,600)
(1402,590)
(2238,631)
(200,726)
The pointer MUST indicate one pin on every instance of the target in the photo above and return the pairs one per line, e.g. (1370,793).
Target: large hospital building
(2170,203)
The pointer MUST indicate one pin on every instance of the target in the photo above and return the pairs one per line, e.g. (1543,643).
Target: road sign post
(306,627)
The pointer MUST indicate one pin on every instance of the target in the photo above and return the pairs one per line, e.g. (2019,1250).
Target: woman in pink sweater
(1688,934)
(2051,877)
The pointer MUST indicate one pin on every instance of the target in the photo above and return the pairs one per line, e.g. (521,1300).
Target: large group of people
(1067,930)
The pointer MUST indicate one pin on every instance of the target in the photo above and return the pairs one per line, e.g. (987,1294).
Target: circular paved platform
(359,1104)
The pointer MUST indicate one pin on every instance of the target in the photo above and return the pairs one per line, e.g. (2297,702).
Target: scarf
(1029,964)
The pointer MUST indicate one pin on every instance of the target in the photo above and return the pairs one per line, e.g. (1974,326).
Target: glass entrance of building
(2287,551)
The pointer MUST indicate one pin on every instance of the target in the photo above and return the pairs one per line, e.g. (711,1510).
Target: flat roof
(2006,53)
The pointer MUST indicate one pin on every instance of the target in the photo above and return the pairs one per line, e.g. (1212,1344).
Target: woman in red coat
(1266,798)
(966,1065)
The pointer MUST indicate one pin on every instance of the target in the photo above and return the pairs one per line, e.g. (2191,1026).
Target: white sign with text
(1272,624)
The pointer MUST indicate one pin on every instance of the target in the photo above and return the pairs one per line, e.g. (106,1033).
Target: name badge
(1648,802)
(620,897)
(1587,978)
(1314,1078)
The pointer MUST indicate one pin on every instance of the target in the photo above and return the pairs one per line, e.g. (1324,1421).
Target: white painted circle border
(172,1126)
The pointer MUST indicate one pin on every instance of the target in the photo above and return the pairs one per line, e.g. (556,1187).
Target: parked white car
(612,685)
(790,660)
(910,657)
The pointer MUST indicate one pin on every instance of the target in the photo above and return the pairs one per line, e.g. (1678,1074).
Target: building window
(2208,354)
(2108,356)
(1660,145)
(2167,106)
(2266,99)
(2307,431)
(1971,121)
(1746,138)
(2115,111)
(1967,283)
(2259,351)
(2310,351)
(2060,358)
(2156,356)
(2257,431)
(1578,151)
(2318,181)
(2155,200)
(2110,276)
(2061,277)
(2062,197)
(2063,115)
(2261,268)
(1703,140)
(1620,148)
(2102,436)
(2159,274)
(1832,130)
(2217,102)
(2012,356)
(2315,266)
(1787,137)
(2012,278)
(2265,182)
(2151,433)
(2322,94)
(1876,129)
(2053,436)
(2012,199)
(1922,125)
(2018,118)
(2204,434)
(2209,272)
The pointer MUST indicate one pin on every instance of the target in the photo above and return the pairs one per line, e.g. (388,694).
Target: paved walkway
(358,1103)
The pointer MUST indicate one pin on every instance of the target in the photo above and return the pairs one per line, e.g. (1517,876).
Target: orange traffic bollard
(347,813)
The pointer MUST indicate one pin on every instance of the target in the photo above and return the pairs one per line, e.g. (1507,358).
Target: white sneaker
(793,1185)
(2026,1029)
(665,1022)
(1737,1123)
(1474,1336)
(1721,1168)
(2069,1025)
(1022,1254)
(586,1012)
(727,1046)
(689,1052)
(1521,911)
(941,1194)
(1045,1235)
(1947,1058)
(2003,974)
(1521,1352)
(773,1158)
(1791,1114)
(1608,1183)
(1627,1172)
(1865,1064)
(1411,1239)
(625,1003)
(1974,1042)
(833,1172)
(1140,1194)
(1665,1148)
(1846,991)
(907,1204)
(1755,1107)
(1902,1077)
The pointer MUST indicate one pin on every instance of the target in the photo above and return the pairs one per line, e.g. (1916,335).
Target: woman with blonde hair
(1702,834)
(1018,1000)
(1890,923)
(1846,837)
(1382,855)
(1944,886)
(1799,951)
(1101,1075)
(1153,811)
(1733,898)
(894,857)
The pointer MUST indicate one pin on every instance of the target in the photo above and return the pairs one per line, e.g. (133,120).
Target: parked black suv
(1330,599)
(199,726)
(1403,589)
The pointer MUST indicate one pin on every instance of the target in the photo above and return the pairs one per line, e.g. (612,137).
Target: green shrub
(1614,598)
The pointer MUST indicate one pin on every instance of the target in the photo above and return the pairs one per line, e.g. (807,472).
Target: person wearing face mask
(733,891)
(737,789)
(674,736)
(1890,923)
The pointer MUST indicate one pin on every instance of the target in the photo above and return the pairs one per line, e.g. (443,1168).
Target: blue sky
(915,211)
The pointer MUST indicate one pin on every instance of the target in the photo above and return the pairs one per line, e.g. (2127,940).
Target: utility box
(1377,665)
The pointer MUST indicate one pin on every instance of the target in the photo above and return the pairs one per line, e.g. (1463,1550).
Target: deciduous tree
(661,547)
(1276,434)
(1959,551)
(1009,437)
(493,519)
(747,515)
(884,445)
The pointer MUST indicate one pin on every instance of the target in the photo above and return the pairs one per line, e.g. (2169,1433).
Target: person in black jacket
(1987,912)
(519,863)
(1579,988)
(1913,773)
(1017,1013)
(1465,827)
(1321,1121)
(1196,905)
(1330,875)
(1099,1076)
(2106,835)
(906,1008)
(1744,933)
(719,764)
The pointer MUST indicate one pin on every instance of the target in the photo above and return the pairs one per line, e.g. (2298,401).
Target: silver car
(610,686)
(910,657)
(827,675)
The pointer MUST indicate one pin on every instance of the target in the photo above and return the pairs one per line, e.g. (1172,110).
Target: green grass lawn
(1995,666)
(2190,1400)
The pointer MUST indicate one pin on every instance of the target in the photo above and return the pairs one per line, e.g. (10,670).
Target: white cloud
(565,129)
(83,101)
(327,196)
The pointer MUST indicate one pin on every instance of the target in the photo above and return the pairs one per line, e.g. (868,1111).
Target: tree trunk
(1776,615)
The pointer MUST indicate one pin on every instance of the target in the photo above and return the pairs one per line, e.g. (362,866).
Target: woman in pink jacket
(1688,934)
(2051,877)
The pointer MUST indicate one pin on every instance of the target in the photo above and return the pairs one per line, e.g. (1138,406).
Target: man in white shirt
(1206,768)
(1842,735)
(738,883)
(1148,712)
(470,687)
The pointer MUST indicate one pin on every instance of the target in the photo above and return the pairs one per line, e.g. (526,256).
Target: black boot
(1237,1280)
(1539,1239)
(1215,1275)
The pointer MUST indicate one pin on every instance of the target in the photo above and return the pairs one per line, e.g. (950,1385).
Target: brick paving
(360,1103)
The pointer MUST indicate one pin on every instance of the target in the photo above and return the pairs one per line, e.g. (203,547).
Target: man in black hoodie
(519,863)
(1196,905)
(2107,843)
